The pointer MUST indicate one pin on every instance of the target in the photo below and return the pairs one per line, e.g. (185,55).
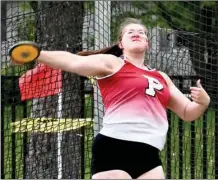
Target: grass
(187,145)
(8,144)
(186,153)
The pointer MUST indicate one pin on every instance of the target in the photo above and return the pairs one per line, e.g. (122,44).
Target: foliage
(13,70)
(90,6)
(207,4)
(27,25)
(180,15)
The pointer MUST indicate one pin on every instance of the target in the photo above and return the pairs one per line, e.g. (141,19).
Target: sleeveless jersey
(135,103)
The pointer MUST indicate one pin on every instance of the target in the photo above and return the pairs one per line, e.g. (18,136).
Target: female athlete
(135,97)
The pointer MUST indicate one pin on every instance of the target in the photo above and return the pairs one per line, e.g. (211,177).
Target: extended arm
(92,65)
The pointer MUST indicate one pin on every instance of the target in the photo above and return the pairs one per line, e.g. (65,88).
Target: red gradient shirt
(135,103)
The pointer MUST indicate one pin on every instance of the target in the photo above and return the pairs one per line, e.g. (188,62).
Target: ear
(120,45)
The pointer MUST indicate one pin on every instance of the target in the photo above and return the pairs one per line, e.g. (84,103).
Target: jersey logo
(153,86)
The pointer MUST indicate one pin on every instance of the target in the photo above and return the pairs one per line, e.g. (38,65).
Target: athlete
(135,97)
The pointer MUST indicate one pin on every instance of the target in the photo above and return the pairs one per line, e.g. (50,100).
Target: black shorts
(132,157)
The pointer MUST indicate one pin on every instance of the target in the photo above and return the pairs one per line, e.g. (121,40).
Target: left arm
(182,106)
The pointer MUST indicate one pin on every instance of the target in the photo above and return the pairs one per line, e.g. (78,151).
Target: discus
(24,52)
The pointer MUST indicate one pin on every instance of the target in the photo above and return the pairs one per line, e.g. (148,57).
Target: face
(134,38)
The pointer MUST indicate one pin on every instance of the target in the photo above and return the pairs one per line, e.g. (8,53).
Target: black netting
(49,138)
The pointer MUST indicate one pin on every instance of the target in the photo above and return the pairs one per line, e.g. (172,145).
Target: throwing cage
(51,137)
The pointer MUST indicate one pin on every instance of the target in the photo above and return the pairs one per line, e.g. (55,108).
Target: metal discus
(24,52)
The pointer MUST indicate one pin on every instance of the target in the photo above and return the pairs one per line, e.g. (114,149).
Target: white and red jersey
(135,103)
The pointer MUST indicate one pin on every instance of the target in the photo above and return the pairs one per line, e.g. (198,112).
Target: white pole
(59,136)
(102,21)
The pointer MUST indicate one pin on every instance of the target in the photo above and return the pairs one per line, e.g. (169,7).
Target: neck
(135,58)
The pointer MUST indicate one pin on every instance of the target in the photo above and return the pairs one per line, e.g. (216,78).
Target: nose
(136,34)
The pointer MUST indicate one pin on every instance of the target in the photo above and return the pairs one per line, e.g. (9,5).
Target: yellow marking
(47,125)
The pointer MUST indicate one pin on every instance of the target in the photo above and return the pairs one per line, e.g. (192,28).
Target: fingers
(199,95)
(199,83)
(195,100)
(196,91)
(195,88)
(199,86)
(195,96)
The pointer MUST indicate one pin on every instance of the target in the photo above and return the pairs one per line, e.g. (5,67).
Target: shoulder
(102,57)
(115,62)
(166,78)
(112,63)
(106,56)
(111,59)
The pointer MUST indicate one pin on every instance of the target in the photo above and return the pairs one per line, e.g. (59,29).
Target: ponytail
(114,50)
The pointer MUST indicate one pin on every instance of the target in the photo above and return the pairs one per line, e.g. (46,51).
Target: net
(51,137)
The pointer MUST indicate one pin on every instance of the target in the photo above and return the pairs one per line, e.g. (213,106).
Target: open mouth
(135,40)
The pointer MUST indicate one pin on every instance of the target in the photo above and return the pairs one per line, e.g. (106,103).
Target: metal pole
(59,137)
(25,140)
(102,20)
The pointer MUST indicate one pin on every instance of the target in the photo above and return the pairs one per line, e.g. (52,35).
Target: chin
(138,49)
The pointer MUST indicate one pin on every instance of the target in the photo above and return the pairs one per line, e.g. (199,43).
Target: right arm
(186,109)
(92,65)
